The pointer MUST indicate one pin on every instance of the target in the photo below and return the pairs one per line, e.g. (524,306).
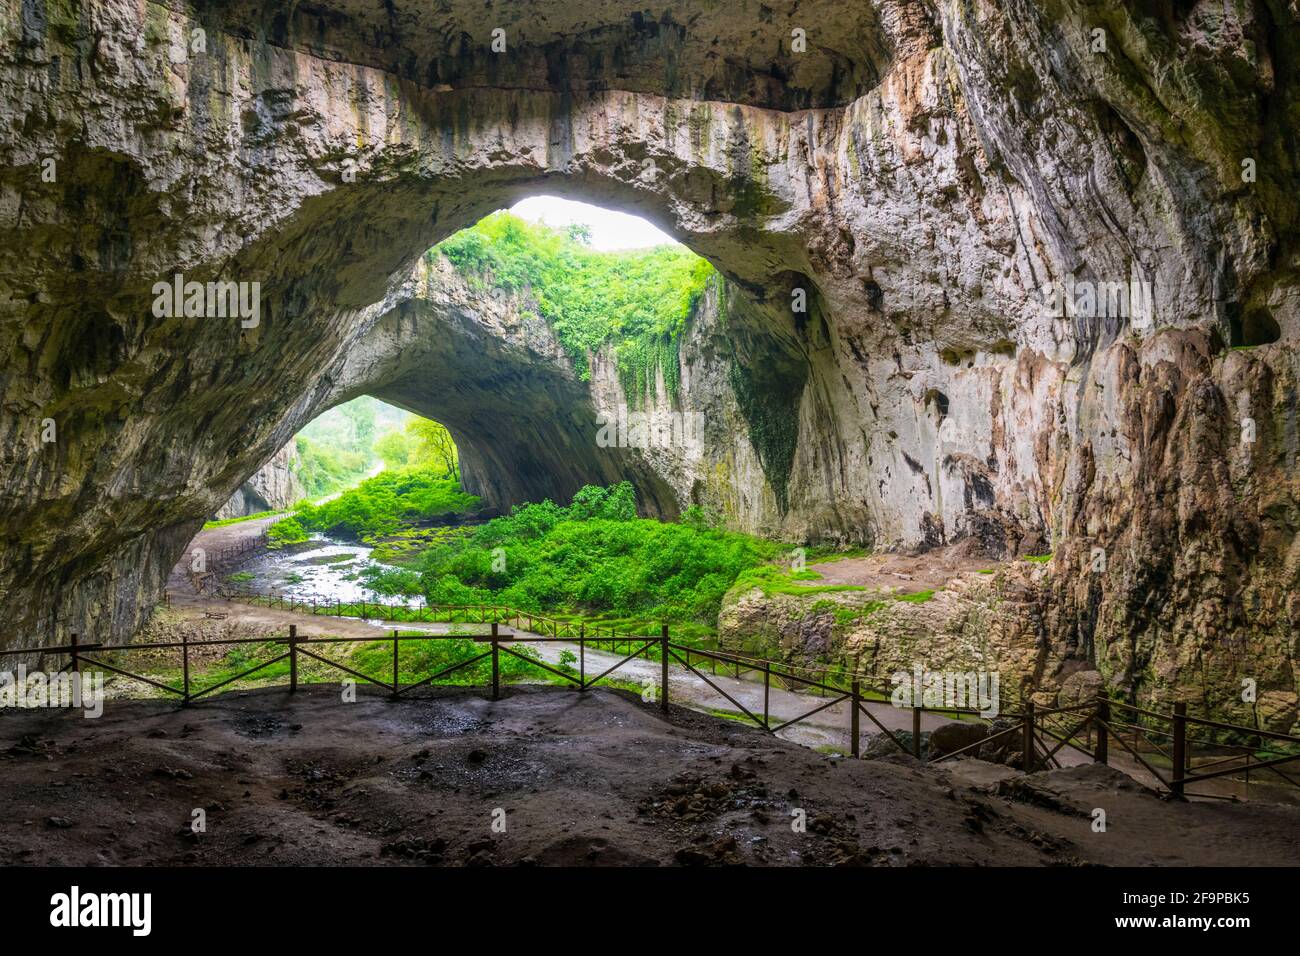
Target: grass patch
(330,559)
(285,532)
(772,580)
(730,715)
(229,521)
(593,558)
(417,660)
(382,505)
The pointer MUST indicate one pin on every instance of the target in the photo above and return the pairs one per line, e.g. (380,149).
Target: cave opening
(542,342)
(338,450)
(546,337)
(1255,327)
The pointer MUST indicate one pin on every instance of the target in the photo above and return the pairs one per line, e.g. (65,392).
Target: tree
(394,447)
(361,416)
(433,447)
(579,232)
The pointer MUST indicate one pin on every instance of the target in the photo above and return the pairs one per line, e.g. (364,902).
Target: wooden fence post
(293,657)
(394,662)
(1180,748)
(916,732)
(767,690)
(854,718)
(185,664)
(496,665)
(76,658)
(1027,739)
(582,656)
(1102,753)
(663,667)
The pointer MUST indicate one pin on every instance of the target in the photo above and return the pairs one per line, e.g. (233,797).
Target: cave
(887,193)
(1255,327)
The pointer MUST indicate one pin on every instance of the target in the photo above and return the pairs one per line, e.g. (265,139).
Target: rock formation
(916,173)
(273,487)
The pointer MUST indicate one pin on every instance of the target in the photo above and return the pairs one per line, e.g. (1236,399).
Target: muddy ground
(598,778)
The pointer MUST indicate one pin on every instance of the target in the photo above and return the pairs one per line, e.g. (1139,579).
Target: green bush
(383,504)
(594,555)
(288,531)
(637,300)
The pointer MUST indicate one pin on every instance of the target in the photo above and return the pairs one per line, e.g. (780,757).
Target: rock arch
(926,170)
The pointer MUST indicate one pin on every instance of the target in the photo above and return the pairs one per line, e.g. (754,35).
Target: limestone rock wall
(272,487)
(920,174)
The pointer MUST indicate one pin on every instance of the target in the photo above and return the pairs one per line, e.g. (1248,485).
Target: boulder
(954,735)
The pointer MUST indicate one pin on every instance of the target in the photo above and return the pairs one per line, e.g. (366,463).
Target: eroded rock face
(496,375)
(920,173)
(272,487)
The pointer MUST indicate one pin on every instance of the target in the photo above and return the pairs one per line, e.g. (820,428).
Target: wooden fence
(1037,734)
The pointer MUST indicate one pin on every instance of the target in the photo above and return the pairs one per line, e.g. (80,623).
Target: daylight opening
(605,281)
(387,507)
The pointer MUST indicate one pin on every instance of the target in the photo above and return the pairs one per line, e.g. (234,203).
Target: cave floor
(594,778)
(899,570)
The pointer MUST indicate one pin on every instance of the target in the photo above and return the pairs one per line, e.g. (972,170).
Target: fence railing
(656,648)
(230,557)
(1042,733)
(822,680)
(1038,734)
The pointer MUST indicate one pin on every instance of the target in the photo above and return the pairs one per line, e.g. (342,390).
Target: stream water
(328,571)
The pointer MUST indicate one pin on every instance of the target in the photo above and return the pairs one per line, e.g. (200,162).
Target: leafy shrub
(288,531)
(594,554)
(636,300)
(382,504)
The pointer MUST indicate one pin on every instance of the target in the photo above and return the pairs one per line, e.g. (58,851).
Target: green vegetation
(417,660)
(337,448)
(638,301)
(229,521)
(422,444)
(846,615)
(771,579)
(383,504)
(1039,558)
(404,547)
(239,577)
(288,531)
(919,597)
(595,555)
